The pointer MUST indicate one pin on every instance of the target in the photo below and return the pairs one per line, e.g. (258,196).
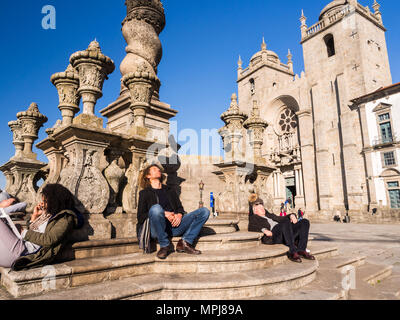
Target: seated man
(280,230)
(167,218)
(10,204)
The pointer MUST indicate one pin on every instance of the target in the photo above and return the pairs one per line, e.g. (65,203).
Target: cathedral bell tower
(345,57)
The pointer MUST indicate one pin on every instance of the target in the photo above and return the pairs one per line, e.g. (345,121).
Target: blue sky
(201,43)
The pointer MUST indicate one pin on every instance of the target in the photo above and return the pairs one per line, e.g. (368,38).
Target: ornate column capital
(31,121)
(93,67)
(67,84)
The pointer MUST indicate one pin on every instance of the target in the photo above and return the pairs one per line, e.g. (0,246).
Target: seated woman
(10,204)
(52,221)
(167,218)
(280,230)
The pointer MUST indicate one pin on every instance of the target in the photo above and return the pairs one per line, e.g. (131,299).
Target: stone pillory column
(144,22)
(93,67)
(67,84)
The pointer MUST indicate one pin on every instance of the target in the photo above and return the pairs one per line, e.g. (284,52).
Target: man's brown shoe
(165,252)
(295,257)
(185,247)
(306,255)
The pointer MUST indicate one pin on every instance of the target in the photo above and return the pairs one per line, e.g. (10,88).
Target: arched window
(330,45)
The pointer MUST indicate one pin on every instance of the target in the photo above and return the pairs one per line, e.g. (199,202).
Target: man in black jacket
(280,230)
(166,215)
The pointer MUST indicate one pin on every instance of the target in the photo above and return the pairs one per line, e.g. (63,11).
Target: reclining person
(52,221)
(280,230)
(10,204)
(167,218)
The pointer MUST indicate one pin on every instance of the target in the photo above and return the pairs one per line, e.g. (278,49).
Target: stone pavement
(372,251)
(379,243)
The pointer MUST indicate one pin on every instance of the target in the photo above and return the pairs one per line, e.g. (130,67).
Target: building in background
(379,114)
(314,139)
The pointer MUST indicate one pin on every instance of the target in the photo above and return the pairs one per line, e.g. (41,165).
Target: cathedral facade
(313,139)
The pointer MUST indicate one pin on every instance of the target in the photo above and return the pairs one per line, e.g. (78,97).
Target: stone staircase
(234,265)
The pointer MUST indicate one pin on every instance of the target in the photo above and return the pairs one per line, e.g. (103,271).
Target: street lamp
(201,188)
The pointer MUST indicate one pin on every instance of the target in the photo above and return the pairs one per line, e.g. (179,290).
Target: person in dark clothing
(300,214)
(280,230)
(162,206)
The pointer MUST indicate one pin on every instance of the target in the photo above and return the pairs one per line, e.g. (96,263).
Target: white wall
(373,132)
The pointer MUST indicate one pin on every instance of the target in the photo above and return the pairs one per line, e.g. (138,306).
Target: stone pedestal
(77,158)
(22,176)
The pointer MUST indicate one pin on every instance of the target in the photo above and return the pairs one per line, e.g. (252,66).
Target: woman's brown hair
(58,198)
(144,182)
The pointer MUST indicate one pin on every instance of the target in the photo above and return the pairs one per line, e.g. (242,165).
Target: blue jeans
(190,227)
(18,207)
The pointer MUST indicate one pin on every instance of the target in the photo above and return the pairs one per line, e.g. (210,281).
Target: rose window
(287,121)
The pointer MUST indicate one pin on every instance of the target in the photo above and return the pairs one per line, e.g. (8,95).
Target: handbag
(145,238)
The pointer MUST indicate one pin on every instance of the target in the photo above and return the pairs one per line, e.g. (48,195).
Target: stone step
(220,226)
(112,247)
(390,287)
(371,279)
(221,286)
(328,283)
(223,261)
(93,270)
(100,248)
(373,274)
(230,241)
(323,251)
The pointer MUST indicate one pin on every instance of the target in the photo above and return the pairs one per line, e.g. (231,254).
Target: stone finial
(376,6)
(290,61)
(31,121)
(93,67)
(303,18)
(232,132)
(240,63)
(141,85)
(289,56)
(256,126)
(303,26)
(67,84)
(263,45)
(233,113)
(18,141)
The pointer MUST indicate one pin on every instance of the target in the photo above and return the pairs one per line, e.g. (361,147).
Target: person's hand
(177,220)
(6,203)
(37,211)
(268,233)
(293,219)
(169,216)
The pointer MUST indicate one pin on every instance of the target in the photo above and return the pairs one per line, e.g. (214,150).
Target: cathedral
(313,141)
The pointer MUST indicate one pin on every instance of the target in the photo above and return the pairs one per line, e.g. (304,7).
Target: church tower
(345,57)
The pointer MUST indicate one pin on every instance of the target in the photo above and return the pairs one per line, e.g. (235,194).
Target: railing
(382,141)
(316,27)
(331,19)
(339,14)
